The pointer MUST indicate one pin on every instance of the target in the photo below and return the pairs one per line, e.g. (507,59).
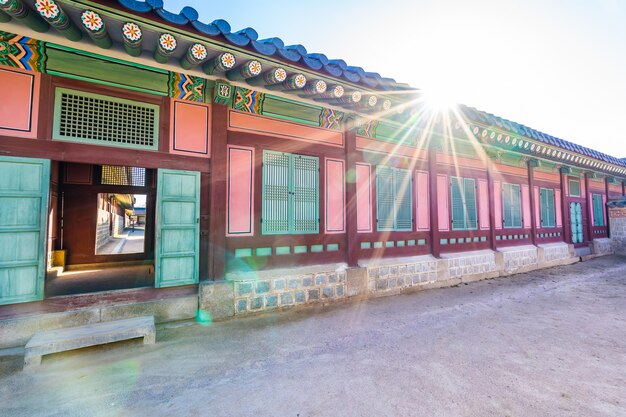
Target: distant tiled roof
(273,46)
(516,128)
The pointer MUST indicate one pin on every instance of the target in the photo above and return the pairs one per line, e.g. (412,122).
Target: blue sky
(558,66)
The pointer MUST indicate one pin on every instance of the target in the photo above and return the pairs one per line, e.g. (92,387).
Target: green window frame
(463,203)
(511,206)
(574,187)
(290,194)
(394,199)
(598,210)
(548,213)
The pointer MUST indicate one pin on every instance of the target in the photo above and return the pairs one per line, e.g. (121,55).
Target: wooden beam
(492,206)
(531,164)
(434,212)
(352,241)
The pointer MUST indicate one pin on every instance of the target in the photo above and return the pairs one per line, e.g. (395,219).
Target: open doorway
(105,229)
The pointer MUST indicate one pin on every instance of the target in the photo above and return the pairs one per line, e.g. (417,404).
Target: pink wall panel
(240,193)
(483,204)
(190,128)
(564,178)
(582,185)
(537,206)
(443,208)
(335,196)
(558,208)
(363,198)
(497,199)
(526,210)
(422,203)
(20,102)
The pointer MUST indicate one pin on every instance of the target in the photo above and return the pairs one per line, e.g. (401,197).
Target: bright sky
(558,66)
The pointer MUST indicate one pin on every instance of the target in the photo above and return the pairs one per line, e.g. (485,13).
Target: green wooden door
(177,228)
(24,185)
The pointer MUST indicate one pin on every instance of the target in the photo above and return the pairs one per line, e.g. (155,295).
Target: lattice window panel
(117,175)
(103,120)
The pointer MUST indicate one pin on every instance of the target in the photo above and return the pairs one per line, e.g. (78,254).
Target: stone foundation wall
(519,258)
(555,252)
(401,275)
(602,246)
(102,228)
(470,263)
(288,290)
(617,228)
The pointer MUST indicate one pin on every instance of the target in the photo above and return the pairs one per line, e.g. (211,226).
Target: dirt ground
(548,343)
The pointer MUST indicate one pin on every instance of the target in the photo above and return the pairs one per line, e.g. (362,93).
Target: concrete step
(583,251)
(19,322)
(62,340)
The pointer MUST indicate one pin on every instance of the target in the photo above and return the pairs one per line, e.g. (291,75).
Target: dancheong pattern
(21,52)
(331,119)
(187,87)
(249,101)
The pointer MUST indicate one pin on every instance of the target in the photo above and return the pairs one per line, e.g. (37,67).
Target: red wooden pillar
(531,164)
(567,230)
(217,194)
(352,241)
(589,219)
(605,208)
(434,212)
(492,206)
(623,188)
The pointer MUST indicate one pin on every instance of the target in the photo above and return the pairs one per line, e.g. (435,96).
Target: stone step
(61,340)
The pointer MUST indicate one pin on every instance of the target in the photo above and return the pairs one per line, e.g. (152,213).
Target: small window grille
(97,119)
(116,175)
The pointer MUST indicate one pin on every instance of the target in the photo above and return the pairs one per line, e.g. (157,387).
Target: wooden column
(217,193)
(589,219)
(492,206)
(623,188)
(352,241)
(604,207)
(531,164)
(434,212)
(567,229)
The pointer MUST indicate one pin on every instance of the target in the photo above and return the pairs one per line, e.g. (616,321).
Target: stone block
(307,281)
(271,301)
(381,284)
(339,291)
(294,283)
(320,279)
(300,297)
(314,295)
(279,284)
(171,309)
(286,299)
(217,298)
(332,278)
(356,281)
(242,305)
(256,303)
(328,292)
(262,287)
(244,288)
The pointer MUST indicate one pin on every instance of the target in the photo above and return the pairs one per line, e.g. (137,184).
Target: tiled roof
(273,46)
(516,128)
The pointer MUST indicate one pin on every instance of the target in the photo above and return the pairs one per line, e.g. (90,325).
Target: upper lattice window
(97,119)
(117,175)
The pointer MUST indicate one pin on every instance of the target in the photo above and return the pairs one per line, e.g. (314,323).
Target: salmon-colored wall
(526,210)
(190,125)
(546,176)
(244,122)
(460,161)
(508,169)
(558,208)
(240,193)
(20,102)
(497,198)
(363,198)
(483,204)
(421,200)
(537,206)
(335,196)
(443,210)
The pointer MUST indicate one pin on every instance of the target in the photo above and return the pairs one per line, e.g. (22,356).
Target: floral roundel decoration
(227,60)
(167,42)
(338,91)
(280,74)
(320,86)
(300,81)
(131,31)
(47,8)
(198,51)
(254,67)
(92,20)
(356,96)
(387,104)
(372,101)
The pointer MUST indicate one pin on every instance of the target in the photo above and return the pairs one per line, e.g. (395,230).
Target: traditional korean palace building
(272,176)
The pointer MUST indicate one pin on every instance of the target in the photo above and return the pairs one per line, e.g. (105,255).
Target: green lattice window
(104,120)
(574,187)
(548,213)
(463,203)
(511,206)
(598,209)
(290,194)
(394,199)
